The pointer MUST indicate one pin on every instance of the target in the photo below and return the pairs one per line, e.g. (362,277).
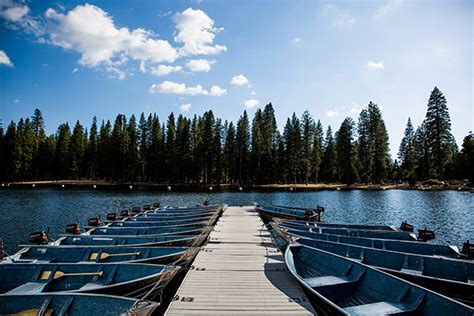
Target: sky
(75,60)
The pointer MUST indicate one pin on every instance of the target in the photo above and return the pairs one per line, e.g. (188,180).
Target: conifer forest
(254,150)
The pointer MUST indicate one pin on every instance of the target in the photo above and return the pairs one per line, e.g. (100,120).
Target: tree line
(204,149)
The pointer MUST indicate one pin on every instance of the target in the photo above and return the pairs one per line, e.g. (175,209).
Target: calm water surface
(449,213)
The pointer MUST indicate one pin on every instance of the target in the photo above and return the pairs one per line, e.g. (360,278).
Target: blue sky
(74,60)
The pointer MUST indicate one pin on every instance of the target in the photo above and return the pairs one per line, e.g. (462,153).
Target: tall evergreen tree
(466,159)
(378,140)
(170,148)
(344,149)
(406,153)
(230,154)
(257,146)
(328,164)
(132,153)
(62,155)
(91,151)
(438,133)
(317,152)
(242,144)
(76,150)
(292,139)
(365,157)
(308,130)
(144,144)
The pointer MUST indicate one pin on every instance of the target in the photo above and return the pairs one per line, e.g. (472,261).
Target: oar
(105,255)
(59,274)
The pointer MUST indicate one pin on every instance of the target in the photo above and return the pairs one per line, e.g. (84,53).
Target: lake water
(449,213)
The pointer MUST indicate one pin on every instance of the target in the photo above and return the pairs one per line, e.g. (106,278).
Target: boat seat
(324,280)
(379,308)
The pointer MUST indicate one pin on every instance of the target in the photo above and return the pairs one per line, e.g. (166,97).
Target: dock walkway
(240,272)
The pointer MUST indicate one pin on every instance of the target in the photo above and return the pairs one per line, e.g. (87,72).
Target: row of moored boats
(116,267)
(349,269)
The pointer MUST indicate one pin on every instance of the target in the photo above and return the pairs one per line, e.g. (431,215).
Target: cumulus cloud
(253,93)
(185,107)
(75,70)
(355,109)
(203,65)
(375,65)
(16,101)
(91,32)
(163,70)
(239,80)
(332,113)
(251,103)
(296,40)
(197,32)
(5,60)
(13,12)
(170,87)
(217,91)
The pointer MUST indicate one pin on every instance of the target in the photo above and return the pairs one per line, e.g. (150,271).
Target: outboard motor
(156,205)
(125,213)
(425,234)
(146,207)
(94,221)
(39,238)
(205,203)
(319,209)
(468,250)
(136,210)
(406,227)
(73,228)
(112,216)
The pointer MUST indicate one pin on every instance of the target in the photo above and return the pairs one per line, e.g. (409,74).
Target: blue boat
(148,231)
(68,254)
(340,286)
(381,234)
(151,218)
(269,212)
(74,304)
(117,279)
(420,248)
(168,224)
(450,277)
(132,241)
(330,225)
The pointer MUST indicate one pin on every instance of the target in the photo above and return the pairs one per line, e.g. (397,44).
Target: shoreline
(102,184)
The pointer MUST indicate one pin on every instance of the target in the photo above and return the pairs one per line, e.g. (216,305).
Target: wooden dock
(240,272)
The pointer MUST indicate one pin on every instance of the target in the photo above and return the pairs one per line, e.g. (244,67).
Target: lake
(449,213)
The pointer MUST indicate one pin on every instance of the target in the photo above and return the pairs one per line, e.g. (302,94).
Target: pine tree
(12,164)
(91,151)
(170,148)
(269,144)
(438,133)
(466,159)
(242,144)
(76,150)
(144,144)
(344,150)
(132,154)
(230,152)
(257,146)
(406,153)
(328,164)
(292,139)
(365,157)
(183,148)
(378,140)
(308,130)
(317,152)
(62,155)
(105,154)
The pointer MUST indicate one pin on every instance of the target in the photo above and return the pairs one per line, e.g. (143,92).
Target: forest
(207,150)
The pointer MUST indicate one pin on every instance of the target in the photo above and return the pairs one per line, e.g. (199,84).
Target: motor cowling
(136,210)
(426,234)
(40,237)
(146,207)
(468,250)
(156,205)
(73,229)
(112,216)
(125,213)
(406,227)
(205,203)
(319,209)
(94,221)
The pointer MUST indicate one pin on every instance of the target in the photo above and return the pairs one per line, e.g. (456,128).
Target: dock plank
(240,271)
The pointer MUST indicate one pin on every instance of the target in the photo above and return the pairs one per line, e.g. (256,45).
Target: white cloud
(375,65)
(75,70)
(253,93)
(332,113)
(5,60)
(356,109)
(163,70)
(391,6)
(217,91)
(91,32)
(343,20)
(197,32)
(239,80)
(171,87)
(16,101)
(251,103)
(185,107)
(13,12)
(296,40)
(203,65)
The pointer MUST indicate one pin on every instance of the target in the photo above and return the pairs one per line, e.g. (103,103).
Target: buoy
(33,185)
(62,185)
(291,189)
(94,186)
(3,184)
(169,188)
(130,187)
(338,188)
(240,188)
(210,188)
